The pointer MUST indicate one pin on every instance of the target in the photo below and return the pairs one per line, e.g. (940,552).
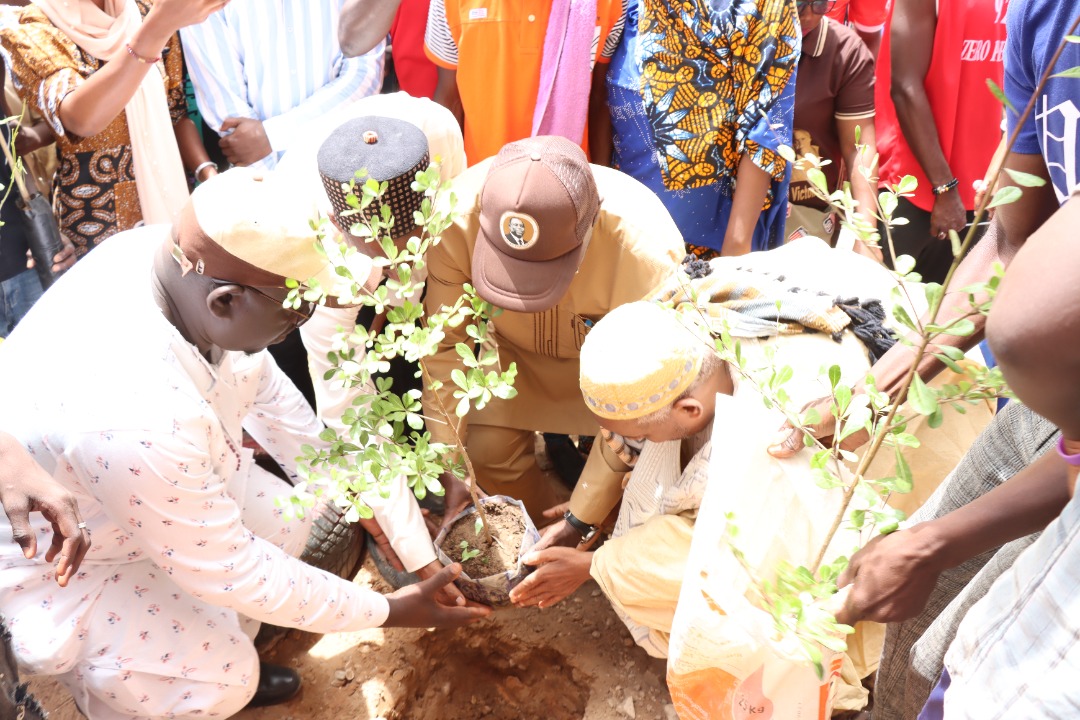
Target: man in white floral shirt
(143,424)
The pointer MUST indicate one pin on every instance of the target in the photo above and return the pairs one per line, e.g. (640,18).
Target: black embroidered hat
(391,151)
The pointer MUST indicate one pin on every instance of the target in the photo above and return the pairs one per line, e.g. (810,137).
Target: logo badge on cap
(519,231)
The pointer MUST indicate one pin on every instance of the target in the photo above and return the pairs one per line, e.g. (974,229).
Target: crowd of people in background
(597,149)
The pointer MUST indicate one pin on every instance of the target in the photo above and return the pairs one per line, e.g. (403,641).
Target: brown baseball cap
(537,205)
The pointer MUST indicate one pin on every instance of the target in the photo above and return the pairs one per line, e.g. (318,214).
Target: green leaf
(858,518)
(478,525)
(906,439)
(962,328)
(842,394)
(1006,195)
(834,375)
(999,94)
(949,363)
(1073,72)
(858,419)
(954,353)
(904,264)
(904,481)
(902,317)
(888,203)
(786,152)
(817,178)
(934,292)
(907,184)
(955,244)
(922,398)
(1025,179)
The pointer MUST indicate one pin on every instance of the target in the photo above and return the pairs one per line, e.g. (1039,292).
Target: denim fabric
(17,296)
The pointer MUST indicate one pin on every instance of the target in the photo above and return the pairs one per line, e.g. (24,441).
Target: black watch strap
(587,531)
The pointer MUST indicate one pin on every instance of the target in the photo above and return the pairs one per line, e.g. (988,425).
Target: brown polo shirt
(835,82)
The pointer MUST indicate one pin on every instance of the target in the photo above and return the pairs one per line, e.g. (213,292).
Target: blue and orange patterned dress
(694,86)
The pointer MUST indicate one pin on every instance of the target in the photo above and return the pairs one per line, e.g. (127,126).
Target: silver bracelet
(202,166)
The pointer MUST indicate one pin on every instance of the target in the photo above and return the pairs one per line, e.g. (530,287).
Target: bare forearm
(751,188)
(90,108)
(600,142)
(364,24)
(917,124)
(446,94)
(913,29)
(1008,231)
(977,267)
(1024,504)
(192,151)
(15,462)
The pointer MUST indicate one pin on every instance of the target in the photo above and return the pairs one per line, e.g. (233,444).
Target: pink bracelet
(144,61)
(1070,459)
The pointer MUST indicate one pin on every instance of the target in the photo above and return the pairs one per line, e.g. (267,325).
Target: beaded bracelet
(942,189)
(1070,459)
(144,61)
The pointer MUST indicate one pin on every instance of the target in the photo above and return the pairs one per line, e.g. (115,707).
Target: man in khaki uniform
(594,239)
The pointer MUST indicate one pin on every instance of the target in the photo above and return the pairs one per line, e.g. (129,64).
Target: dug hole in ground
(572,661)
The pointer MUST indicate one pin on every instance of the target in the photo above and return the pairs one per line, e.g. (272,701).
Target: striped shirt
(1017,651)
(278,61)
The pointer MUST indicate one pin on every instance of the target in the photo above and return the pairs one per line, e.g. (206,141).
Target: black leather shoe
(276,685)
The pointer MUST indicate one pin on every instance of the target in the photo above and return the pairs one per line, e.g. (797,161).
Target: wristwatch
(587,531)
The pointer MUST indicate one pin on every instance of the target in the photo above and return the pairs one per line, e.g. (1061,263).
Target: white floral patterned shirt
(122,411)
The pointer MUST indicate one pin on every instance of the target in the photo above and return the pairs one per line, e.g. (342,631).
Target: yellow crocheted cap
(638,359)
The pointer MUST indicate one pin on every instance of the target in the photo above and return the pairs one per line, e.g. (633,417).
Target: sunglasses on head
(818,7)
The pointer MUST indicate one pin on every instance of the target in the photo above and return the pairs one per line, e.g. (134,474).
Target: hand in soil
(371,525)
(417,606)
(558,534)
(559,572)
(457,499)
(448,594)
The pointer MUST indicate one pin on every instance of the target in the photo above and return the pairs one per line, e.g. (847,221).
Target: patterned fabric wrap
(757,304)
(712,70)
(492,590)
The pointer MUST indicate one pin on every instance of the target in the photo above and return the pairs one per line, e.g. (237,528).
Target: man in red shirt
(867,17)
(939,122)
(366,23)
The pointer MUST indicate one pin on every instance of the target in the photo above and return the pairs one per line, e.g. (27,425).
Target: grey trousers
(914,651)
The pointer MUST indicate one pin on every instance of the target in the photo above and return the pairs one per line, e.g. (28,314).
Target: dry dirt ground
(569,662)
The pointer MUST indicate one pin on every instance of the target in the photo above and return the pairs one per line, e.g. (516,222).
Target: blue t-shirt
(1035,30)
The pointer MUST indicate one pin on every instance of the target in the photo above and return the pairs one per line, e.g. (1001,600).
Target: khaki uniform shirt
(634,250)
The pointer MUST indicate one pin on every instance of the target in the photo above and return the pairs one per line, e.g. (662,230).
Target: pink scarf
(159,171)
(562,104)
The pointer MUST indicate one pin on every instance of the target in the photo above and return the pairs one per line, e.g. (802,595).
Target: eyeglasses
(300,315)
(818,7)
